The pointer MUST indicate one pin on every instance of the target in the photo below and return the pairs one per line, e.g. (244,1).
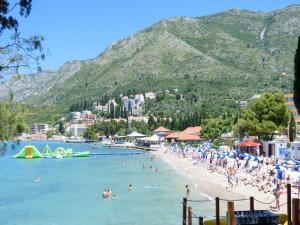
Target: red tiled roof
(192,130)
(188,137)
(162,129)
(181,136)
(174,135)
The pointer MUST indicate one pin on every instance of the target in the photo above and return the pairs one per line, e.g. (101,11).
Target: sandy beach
(213,185)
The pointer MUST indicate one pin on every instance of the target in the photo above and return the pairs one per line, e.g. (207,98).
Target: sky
(82,29)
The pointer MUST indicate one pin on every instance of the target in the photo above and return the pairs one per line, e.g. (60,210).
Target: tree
(292,128)
(61,127)
(18,52)
(11,121)
(90,133)
(265,115)
(297,77)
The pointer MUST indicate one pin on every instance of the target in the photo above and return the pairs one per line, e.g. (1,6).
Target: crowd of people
(265,174)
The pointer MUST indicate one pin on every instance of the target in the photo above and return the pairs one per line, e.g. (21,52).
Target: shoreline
(211,185)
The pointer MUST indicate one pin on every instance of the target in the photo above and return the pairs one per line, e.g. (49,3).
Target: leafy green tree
(90,133)
(50,133)
(12,122)
(212,128)
(61,127)
(18,52)
(265,115)
(292,128)
(297,77)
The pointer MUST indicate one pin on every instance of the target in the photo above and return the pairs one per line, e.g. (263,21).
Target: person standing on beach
(277,193)
(187,190)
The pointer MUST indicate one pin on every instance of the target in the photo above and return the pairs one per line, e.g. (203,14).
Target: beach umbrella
(291,162)
(243,155)
(249,143)
(297,168)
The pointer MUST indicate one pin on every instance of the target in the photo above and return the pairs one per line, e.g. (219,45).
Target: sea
(70,190)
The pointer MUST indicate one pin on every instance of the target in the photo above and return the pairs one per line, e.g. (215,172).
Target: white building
(39,128)
(75,116)
(295,150)
(86,112)
(276,148)
(150,95)
(76,130)
(139,98)
(243,104)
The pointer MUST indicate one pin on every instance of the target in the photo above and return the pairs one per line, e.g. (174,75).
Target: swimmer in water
(107,193)
(130,187)
(36,180)
(156,170)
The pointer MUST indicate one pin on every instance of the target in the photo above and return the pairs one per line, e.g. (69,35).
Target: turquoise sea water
(70,190)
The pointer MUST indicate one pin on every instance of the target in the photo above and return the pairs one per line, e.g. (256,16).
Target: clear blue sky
(77,29)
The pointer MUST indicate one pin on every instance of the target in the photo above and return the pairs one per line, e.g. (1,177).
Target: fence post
(189,215)
(230,209)
(201,221)
(217,211)
(289,204)
(251,203)
(295,209)
(184,211)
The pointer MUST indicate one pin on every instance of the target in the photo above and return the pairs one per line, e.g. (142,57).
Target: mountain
(229,55)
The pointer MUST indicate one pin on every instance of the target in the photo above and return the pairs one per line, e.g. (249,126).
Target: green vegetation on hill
(217,60)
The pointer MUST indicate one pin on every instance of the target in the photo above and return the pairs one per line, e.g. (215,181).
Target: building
(139,98)
(39,128)
(275,148)
(89,118)
(86,112)
(76,130)
(138,119)
(190,134)
(295,150)
(289,100)
(150,95)
(162,132)
(75,116)
(243,104)
(193,130)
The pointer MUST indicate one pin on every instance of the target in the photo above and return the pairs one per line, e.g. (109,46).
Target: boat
(75,140)
(121,143)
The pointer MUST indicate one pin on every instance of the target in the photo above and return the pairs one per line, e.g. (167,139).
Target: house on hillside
(190,134)
(193,130)
(162,132)
(138,119)
(39,128)
(76,130)
(150,95)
